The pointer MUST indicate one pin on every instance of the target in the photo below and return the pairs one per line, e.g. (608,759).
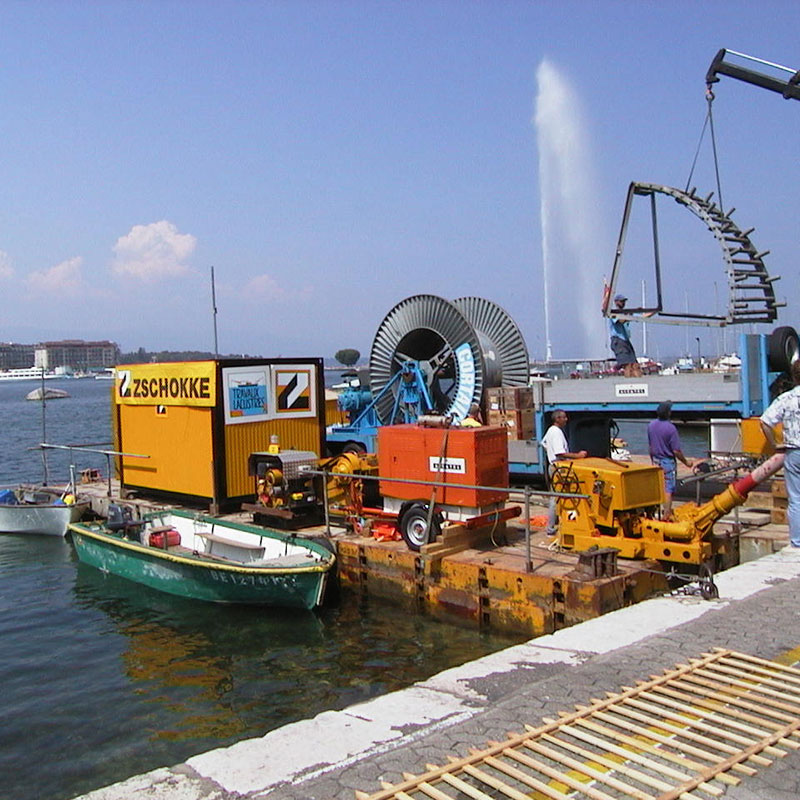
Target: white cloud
(6,270)
(63,279)
(152,252)
(264,286)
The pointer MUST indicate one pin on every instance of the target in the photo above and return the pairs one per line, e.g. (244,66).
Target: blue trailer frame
(732,395)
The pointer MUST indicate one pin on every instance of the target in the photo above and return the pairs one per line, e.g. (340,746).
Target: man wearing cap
(665,451)
(621,346)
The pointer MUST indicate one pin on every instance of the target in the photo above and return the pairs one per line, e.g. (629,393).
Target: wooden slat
(679,715)
(584,768)
(772,697)
(630,755)
(616,766)
(791,676)
(673,733)
(667,741)
(504,788)
(761,661)
(676,732)
(466,788)
(633,742)
(730,717)
(724,708)
(548,791)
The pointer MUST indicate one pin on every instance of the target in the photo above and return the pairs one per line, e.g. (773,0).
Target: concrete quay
(335,753)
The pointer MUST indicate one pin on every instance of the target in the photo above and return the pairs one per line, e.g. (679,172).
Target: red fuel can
(164,538)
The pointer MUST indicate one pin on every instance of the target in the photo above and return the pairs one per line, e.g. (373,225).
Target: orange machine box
(473,456)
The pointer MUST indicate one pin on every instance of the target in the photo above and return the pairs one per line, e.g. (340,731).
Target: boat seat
(212,537)
(161,529)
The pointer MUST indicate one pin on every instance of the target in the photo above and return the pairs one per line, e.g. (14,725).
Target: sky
(329,159)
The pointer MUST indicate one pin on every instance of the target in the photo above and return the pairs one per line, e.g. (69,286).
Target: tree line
(347,356)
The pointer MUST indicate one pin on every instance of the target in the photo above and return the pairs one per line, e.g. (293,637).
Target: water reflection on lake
(104,679)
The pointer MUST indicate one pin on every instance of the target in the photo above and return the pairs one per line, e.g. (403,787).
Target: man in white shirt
(557,449)
(785,408)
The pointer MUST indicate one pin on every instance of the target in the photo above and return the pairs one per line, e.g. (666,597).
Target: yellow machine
(347,492)
(622,504)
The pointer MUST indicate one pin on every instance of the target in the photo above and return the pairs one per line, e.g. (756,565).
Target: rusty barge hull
(492,587)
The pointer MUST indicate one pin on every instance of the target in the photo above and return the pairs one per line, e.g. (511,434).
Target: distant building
(16,356)
(76,354)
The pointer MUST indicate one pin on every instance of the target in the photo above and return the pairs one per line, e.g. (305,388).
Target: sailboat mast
(214,312)
(44,432)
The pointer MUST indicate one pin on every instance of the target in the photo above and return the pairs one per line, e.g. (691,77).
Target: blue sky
(332,158)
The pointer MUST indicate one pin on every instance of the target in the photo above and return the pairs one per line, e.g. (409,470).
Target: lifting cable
(708,123)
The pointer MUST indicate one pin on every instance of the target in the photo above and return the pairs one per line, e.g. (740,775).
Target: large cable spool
(433,332)
(505,355)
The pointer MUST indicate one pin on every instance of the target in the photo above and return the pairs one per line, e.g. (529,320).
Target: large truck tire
(783,347)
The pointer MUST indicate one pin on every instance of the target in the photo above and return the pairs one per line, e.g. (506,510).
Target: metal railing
(527,492)
(88,449)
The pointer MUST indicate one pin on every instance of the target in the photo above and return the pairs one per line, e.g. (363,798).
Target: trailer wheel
(782,348)
(413,524)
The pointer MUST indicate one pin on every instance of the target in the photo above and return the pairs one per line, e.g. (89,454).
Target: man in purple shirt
(665,451)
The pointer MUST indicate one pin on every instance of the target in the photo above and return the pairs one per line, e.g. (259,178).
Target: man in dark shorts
(621,346)
(665,451)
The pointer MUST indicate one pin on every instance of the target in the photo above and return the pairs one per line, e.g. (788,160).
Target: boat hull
(49,520)
(186,573)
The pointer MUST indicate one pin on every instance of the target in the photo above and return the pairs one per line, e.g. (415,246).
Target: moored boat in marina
(205,558)
(47,394)
(27,374)
(38,510)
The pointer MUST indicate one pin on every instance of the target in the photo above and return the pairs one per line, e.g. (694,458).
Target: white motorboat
(27,374)
(39,510)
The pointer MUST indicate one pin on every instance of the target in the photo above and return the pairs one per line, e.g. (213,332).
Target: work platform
(492,578)
(497,586)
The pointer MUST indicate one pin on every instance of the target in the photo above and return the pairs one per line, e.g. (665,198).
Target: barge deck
(500,579)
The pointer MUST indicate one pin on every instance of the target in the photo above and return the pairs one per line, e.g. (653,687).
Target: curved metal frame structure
(751,293)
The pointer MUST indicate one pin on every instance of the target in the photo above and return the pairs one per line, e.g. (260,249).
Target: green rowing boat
(204,558)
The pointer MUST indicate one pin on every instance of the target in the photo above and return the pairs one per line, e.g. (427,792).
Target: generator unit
(285,489)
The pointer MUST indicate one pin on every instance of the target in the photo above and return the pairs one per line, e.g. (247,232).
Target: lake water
(103,679)
(694,438)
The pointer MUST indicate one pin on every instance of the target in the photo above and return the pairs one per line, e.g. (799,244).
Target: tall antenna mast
(644,324)
(214,312)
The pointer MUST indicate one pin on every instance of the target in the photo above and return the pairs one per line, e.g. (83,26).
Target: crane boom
(788,87)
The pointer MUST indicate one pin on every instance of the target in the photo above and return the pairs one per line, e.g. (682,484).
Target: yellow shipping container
(197,423)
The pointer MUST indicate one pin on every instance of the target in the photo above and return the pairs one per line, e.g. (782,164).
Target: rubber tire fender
(783,346)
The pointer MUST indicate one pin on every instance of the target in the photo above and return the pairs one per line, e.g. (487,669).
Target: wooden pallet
(686,734)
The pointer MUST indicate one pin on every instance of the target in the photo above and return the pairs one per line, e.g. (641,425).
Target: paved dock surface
(335,753)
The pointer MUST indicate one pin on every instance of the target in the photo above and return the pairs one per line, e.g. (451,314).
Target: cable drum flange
(505,354)
(432,332)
